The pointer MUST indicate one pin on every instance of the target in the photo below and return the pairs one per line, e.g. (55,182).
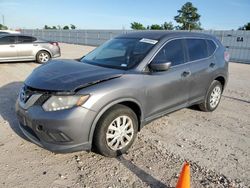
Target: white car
(9,32)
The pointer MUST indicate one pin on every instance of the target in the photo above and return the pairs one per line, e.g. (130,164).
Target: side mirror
(160,66)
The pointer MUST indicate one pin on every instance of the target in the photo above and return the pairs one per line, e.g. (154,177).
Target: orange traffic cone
(184,179)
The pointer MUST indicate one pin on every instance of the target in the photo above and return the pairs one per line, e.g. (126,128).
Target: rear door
(168,90)
(202,64)
(26,48)
(8,50)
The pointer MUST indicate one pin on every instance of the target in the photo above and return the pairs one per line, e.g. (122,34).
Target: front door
(168,90)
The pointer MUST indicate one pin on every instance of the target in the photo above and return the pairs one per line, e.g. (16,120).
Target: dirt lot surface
(217,144)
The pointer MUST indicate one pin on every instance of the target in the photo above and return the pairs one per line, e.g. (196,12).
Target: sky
(118,14)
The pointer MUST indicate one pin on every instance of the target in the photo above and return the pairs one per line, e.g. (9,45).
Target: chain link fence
(237,42)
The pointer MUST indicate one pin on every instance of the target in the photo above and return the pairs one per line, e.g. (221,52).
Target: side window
(211,47)
(7,40)
(172,52)
(25,39)
(197,49)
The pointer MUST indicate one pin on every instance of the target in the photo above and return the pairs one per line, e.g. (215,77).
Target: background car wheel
(213,97)
(42,57)
(116,131)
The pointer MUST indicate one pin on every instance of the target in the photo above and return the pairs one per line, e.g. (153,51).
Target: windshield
(120,53)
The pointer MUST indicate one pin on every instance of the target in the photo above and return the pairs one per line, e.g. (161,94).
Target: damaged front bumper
(58,131)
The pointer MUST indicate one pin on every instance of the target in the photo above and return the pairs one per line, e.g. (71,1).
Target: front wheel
(42,57)
(116,131)
(213,97)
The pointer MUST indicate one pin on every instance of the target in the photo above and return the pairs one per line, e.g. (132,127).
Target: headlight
(55,103)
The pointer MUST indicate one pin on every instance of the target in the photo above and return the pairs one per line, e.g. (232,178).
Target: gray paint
(155,93)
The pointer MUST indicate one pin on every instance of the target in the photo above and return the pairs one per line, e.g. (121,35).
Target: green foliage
(156,27)
(59,27)
(245,27)
(72,26)
(168,26)
(188,17)
(3,27)
(66,27)
(47,27)
(137,26)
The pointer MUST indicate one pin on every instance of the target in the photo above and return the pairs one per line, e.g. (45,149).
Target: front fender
(105,108)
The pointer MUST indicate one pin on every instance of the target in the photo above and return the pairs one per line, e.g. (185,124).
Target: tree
(66,27)
(168,26)
(137,26)
(46,27)
(72,26)
(3,27)
(54,27)
(245,27)
(156,27)
(188,17)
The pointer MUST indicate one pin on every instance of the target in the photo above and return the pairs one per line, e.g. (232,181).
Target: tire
(42,57)
(212,98)
(106,136)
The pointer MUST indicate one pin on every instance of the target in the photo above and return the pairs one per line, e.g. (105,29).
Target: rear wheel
(116,131)
(213,97)
(42,57)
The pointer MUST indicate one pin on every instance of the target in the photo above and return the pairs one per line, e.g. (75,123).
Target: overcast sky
(118,14)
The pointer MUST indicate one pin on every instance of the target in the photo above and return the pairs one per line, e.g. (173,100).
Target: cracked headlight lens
(55,103)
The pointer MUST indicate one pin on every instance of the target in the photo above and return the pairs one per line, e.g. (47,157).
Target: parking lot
(217,144)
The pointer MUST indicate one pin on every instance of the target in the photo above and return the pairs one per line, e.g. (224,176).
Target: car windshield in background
(120,53)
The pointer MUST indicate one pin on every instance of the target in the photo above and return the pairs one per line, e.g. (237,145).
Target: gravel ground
(216,144)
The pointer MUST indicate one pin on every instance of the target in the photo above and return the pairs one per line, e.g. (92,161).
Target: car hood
(69,76)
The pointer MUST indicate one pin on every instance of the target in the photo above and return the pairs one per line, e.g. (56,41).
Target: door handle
(212,65)
(12,45)
(186,74)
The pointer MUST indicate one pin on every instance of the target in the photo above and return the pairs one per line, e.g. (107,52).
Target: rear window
(197,49)
(211,47)
(7,40)
(172,52)
(26,39)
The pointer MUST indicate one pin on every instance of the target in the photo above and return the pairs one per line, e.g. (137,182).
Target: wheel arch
(222,80)
(129,102)
(43,49)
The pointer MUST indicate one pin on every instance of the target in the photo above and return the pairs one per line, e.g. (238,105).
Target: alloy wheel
(43,57)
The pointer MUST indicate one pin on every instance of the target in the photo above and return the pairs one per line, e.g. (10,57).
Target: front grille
(27,92)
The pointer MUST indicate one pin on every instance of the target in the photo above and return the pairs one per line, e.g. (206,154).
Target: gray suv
(105,98)
(17,47)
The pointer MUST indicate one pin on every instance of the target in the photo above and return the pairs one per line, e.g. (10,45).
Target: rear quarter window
(211,47)
(197,49)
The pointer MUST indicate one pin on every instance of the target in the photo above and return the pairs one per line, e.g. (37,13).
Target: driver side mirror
(160,66)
